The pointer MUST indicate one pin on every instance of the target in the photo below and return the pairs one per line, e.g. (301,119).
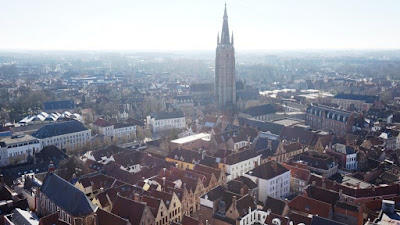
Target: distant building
(319,163)
(326,118)
(69,134)
(55,106)
(160,121)
(202,90)
(260,112)
(116,130)
(16,149)
(103,127)
(225,77)
(360,102)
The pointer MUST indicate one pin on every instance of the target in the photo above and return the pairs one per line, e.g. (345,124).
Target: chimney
(269,145)
(136,197)
(51,167)
(358,185)
(242,191)
(96,219)
(164,169)
(207,222)
(1,180)
(340,195)
(203,154)
(234,199)
(163,182)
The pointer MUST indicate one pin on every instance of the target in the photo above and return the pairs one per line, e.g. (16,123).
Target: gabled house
(58,195)
(136,212)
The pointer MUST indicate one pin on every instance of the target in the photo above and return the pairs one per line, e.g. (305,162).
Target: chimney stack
(242,191)
(136,197)
(234,199)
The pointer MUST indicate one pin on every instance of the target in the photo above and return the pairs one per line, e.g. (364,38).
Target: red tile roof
(102,123)
(311,206)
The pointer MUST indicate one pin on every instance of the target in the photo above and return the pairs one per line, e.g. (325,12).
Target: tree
(140,134)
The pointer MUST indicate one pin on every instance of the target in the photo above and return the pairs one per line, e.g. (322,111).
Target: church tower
(225,80)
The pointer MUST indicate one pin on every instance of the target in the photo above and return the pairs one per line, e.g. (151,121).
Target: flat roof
(287,122)
(17,139)
(203,136)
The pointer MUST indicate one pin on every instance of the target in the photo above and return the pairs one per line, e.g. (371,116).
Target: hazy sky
(193,25)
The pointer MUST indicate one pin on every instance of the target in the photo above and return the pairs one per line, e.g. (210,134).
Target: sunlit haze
(193,25)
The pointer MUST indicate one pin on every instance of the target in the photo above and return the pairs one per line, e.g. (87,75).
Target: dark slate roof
(366,98)
(185,155)
(167,115)
(240,157)
(66,196)
(268,170)
(13,173)
(262,144)
(55,105)
(260,110)
(135,122)
(50,153)
(244,203)
(128,209)
(276,206)
(247,181)
(56,129)
(264,126)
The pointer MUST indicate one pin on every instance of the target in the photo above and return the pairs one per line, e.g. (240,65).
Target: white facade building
(351,161)
(70,135)
(117,130)
(124,130)
(273,180)
(240,163)
(15,149)
(103,127)
(161,121)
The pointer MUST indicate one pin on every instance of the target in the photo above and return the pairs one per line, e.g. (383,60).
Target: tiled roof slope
(57,129)
(66,196)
